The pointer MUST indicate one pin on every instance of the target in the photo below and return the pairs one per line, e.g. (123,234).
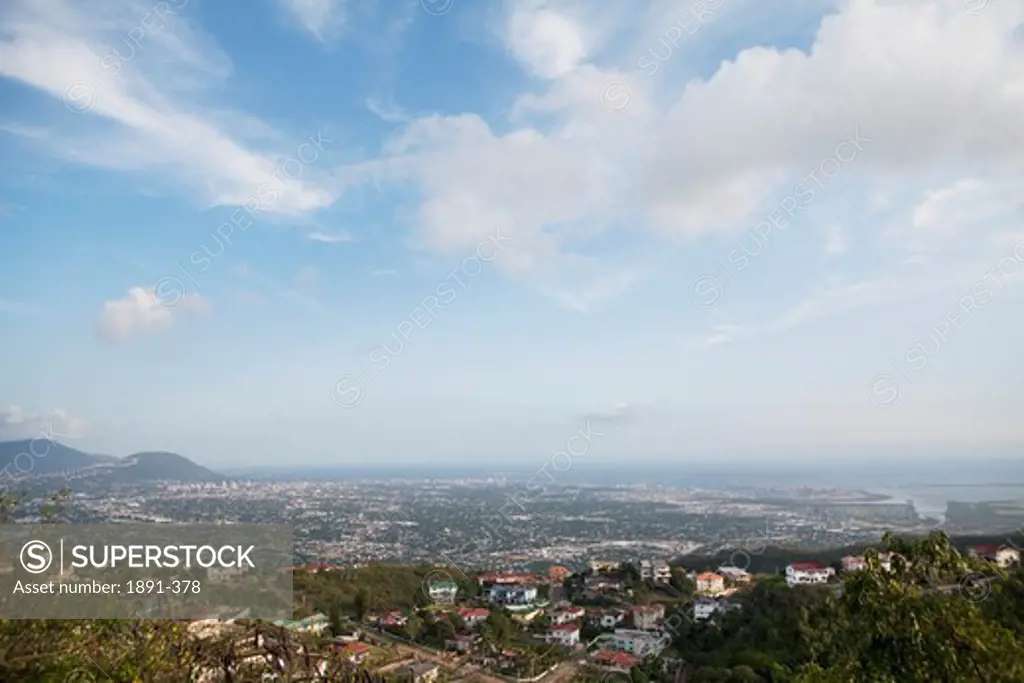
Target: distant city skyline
(722,231)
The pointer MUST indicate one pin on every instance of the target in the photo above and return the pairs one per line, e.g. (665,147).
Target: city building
(646,570)
(710,583)
(648,617)
(567,635)
(1001,555)
(803,573)
(512,594)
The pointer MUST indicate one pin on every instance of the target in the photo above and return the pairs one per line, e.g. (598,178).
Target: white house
(567,614)
(662,572)
(646,570)
(1001,555)
(853,563)
(803,573)
(704,608)
(474,616)
(567,635)
(638,642)
(607,619)
(442,591)
(512,595)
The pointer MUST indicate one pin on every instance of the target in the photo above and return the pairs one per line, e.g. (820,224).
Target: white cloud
(322,18)
(141,311)
(724,147)
(329,238)
(139,106)
(16,423)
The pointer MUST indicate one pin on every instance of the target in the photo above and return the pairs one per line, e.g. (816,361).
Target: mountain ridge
(27,458)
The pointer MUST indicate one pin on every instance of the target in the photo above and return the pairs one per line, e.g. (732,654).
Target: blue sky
(320,231)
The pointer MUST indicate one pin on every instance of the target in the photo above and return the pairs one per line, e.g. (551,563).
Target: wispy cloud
(323,18)
(139,102)
(330,238)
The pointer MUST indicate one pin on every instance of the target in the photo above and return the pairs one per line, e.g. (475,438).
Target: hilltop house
(662,572)
(706,608)
(803,573)
(710,583)
(442,591)
(637,642)
(460,643)
(502,594)
(735,575)
(646,570)
(853,563)
(314,624)
(355,652)
(565,615)
(567,635)
(606,619)
(1001,555)
(620,661)
(421,672)
(474,616)
(648,617)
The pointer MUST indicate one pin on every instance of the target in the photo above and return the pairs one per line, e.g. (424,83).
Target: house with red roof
(805,573)
(710,583)
(621,661)
(356,652)
(1000,554)
(474,616)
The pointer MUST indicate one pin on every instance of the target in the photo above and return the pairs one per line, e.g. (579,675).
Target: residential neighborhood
(607,616)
